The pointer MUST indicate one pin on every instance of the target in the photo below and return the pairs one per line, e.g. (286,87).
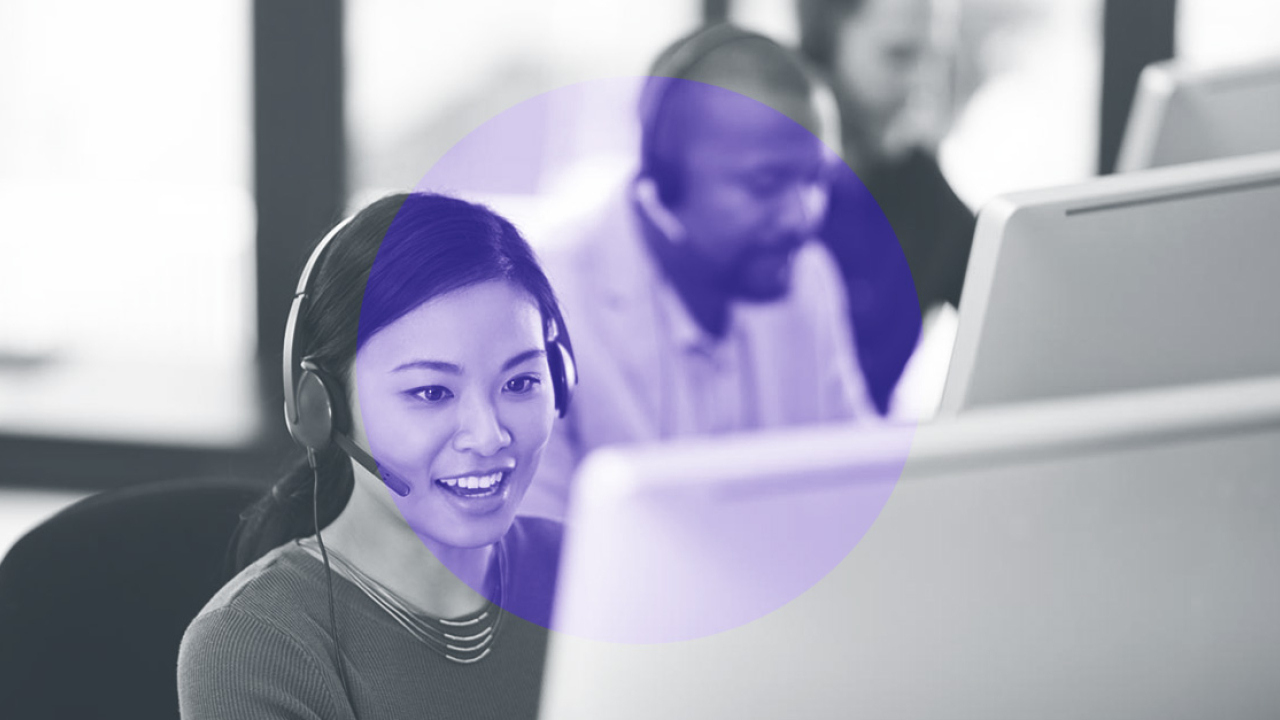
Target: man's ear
(646,192)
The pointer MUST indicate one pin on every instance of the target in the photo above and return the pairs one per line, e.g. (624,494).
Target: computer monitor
(1092,557)
(1161,277)
(1186,114)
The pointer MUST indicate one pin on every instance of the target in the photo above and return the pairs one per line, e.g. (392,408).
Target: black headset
(675,63)
(315,417)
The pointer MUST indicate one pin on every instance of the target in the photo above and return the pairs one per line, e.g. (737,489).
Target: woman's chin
(451,529)
(471,539)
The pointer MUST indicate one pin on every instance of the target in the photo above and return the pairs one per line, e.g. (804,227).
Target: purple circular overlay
(678,554)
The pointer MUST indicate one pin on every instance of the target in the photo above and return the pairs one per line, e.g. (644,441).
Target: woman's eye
(522,384)
(432,393)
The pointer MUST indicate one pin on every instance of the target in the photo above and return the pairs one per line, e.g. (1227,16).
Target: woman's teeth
(477,483)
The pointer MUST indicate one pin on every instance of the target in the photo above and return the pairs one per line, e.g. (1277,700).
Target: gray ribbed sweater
(262,647)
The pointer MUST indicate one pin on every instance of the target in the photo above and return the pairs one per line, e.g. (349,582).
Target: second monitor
(1163,277)
(1182,114)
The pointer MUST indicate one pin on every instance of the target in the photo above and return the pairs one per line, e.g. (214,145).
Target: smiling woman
(426,360)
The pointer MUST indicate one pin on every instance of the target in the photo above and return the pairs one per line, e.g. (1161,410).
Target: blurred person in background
(697,305)
(872,51)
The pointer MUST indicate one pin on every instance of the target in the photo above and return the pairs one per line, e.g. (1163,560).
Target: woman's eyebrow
(451,368)
(430,365)
(522,357)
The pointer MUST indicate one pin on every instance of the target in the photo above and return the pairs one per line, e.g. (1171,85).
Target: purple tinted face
(754,182)
(456,398)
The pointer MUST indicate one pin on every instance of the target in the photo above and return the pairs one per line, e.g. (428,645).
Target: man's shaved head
(730,120)
(760,69)
(766,75)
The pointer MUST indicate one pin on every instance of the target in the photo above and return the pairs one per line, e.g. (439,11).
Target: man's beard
(762,275)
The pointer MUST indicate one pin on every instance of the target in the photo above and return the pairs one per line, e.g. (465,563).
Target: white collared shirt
(709,380)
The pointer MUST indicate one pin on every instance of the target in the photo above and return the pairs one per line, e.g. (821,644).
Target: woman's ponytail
(285,512)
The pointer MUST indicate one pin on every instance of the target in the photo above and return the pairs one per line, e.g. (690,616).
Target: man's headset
(675,64)
(315,415)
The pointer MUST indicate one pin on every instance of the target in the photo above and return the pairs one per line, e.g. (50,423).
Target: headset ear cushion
(564,374)
(314,428)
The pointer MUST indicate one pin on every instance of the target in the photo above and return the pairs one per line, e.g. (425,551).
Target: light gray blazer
(800,350)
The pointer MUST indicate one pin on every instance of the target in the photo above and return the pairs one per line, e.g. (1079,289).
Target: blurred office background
(165,166)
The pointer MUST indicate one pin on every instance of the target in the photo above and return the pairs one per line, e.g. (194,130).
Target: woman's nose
(480,430)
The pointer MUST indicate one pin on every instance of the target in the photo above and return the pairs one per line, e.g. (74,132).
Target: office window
(1226,32)
(421,76)
(124,178)
(1029,77)
(125,196)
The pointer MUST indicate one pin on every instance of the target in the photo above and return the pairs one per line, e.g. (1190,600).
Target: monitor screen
(1091,557)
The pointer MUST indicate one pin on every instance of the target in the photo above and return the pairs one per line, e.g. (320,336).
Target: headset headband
(676,62)
(291,335)
(560,357)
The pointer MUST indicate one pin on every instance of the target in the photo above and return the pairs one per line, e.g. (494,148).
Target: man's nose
(480,429)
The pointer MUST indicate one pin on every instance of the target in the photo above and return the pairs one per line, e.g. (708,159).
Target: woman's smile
(480,483)
(476,494)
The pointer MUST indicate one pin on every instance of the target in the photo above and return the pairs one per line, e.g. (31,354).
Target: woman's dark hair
(394,255)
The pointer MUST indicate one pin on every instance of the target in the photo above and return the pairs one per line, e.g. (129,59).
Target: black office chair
(94,601)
